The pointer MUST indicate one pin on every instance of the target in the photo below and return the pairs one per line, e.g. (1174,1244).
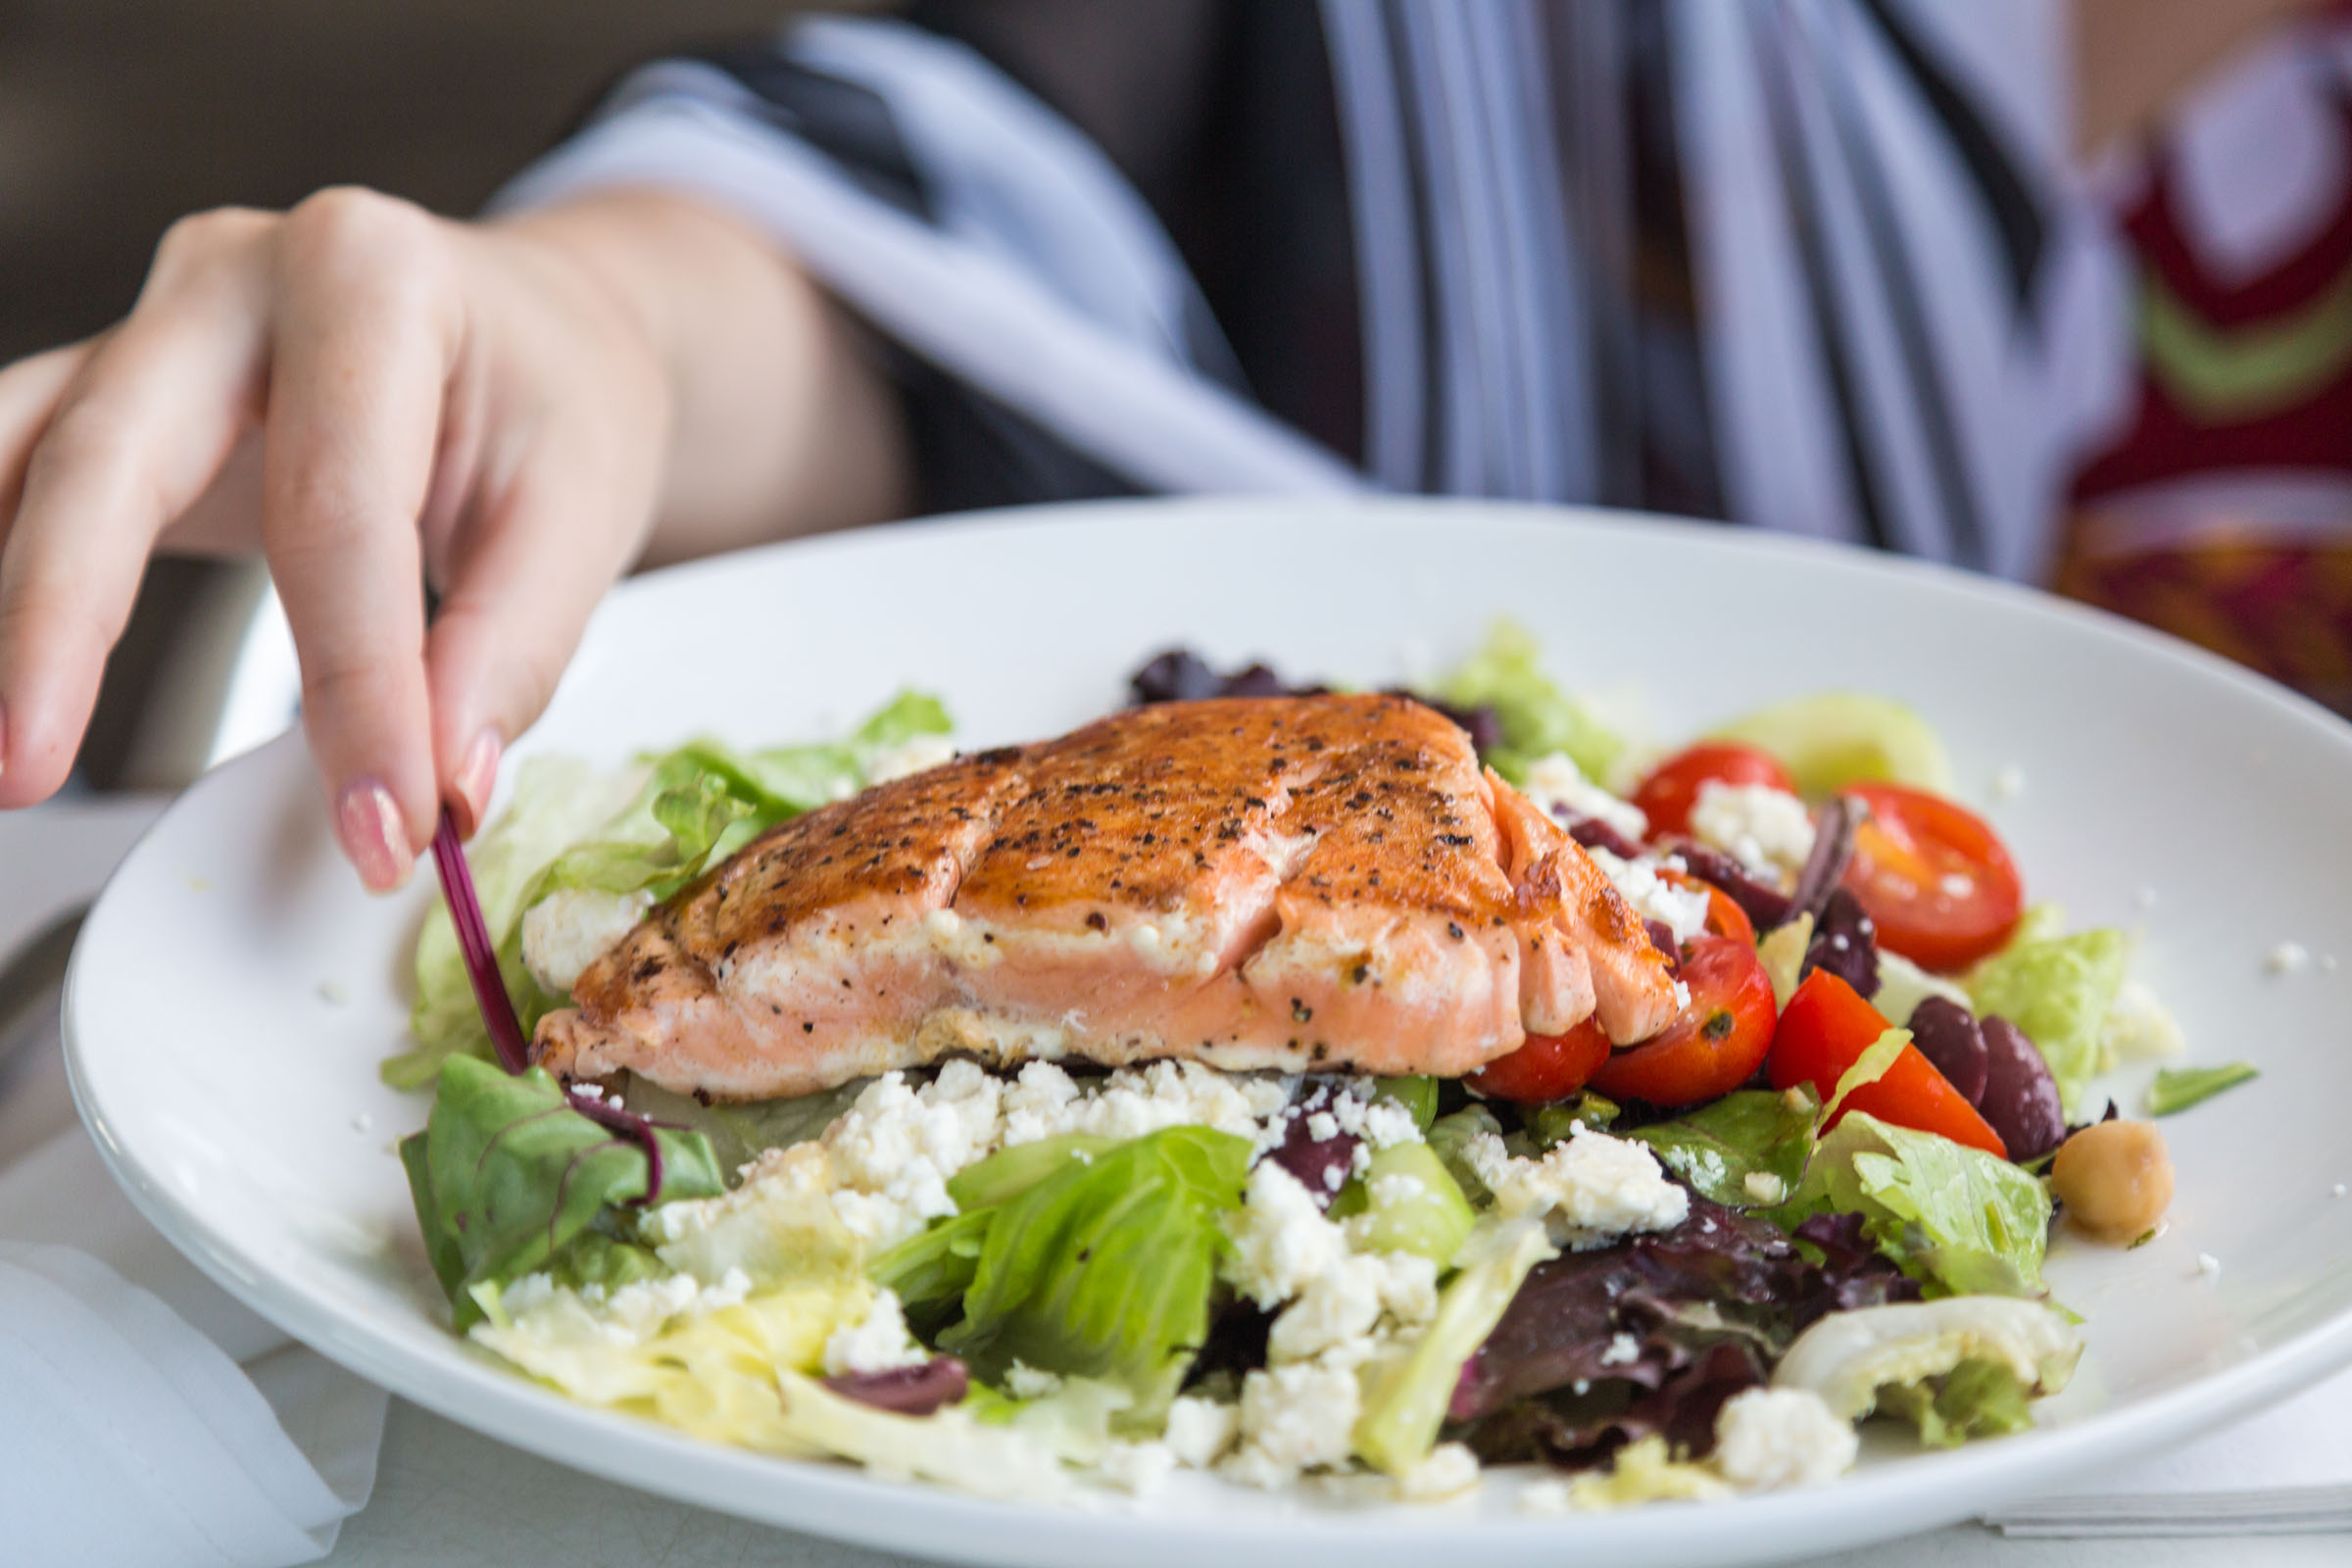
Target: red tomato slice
(1547,1067)
(1716,1044)
(1667,795)
(1725,917)
(1934,877)
(1824,1031)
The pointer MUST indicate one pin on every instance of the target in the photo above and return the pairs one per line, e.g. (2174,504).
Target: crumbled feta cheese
(2209,1266)
(2288,958)
(1025,1381)
(1448,1470)
(894,1148)
(1555,785)
(2139,1026)
(1045,1103)
(1322,1126)
(1339,1306)
(1680,909)
(1295,1418)
(1409,1288)
(571,928)
(1137,1467)
(1199,1431)
(1281,1239)
(1764,1187)
(1623,1350)
(1681,996)
(917,754)
(1771,1438)
(1591,1188)
(1766,830)
(1386,1124)
(877,1342)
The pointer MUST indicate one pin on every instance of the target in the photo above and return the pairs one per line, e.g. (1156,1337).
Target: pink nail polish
(477,776)
(374,835)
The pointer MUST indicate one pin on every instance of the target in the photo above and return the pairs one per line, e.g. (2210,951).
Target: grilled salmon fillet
(1299,883)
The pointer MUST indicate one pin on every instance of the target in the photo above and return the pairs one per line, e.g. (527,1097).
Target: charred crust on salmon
(1254,863)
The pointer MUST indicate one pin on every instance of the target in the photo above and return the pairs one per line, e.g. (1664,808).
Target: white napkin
(2286,1471)
(156,1422)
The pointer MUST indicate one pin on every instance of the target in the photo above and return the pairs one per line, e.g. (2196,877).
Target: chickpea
(2115,1179)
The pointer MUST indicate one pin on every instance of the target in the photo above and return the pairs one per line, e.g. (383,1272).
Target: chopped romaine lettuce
(1406,1396)
(1104,1267)
(1406,1203)
(1958,1220)
(1975,1399)
(1451,1137)
(507,1176)
(1537,717)
(2177,1090)
(1910,1357)
(1747,1150)
(2057,990)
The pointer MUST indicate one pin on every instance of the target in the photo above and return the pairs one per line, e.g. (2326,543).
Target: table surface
(446,1494)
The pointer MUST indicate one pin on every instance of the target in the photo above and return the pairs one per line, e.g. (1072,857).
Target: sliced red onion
(920,1390)
(1833,848)
(480,953)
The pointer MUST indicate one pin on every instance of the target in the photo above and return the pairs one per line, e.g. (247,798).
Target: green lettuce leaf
(1537,717)
(506,1178)
(1406,1396)
(1424,1213)
(1747,1150)
(1958,1220)
(2058,990)
(1975,1399)
(1451,1137)
(1104,1268)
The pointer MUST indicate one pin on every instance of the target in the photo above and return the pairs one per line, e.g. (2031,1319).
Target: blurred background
(2221,511)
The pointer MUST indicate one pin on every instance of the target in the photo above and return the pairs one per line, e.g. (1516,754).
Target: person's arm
(2133,57)
(521,410)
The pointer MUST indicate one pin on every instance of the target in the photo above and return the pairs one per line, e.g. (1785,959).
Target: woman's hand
(375,397)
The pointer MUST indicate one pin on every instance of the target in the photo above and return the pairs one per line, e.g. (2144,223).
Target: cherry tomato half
(1671,789)
(1547,1067)
(1725,917)
(1824,1031)
(1934,878)
(1716,1044)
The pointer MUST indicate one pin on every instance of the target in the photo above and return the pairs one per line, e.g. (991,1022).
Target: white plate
(235,990)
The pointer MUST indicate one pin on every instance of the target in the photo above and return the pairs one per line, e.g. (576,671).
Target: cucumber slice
(1832,738)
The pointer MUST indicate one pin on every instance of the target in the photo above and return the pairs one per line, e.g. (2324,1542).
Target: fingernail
(477,776)
(374,835)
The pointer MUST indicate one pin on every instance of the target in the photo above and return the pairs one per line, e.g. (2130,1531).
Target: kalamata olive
(2114,1180)
(1846,943)
(1764,907)
(1661,937)
(915,1389)
(1947,1034)
(2021,1097)
(1594,834)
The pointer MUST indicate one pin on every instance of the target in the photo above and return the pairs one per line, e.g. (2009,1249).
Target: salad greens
(1832,738)
(1975,1399)
(1538,718)
(570,827)
(2178,1088)
(1749,1150)
(1104,1268)
(2058,990)
(510,1180)
(1959,1221)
